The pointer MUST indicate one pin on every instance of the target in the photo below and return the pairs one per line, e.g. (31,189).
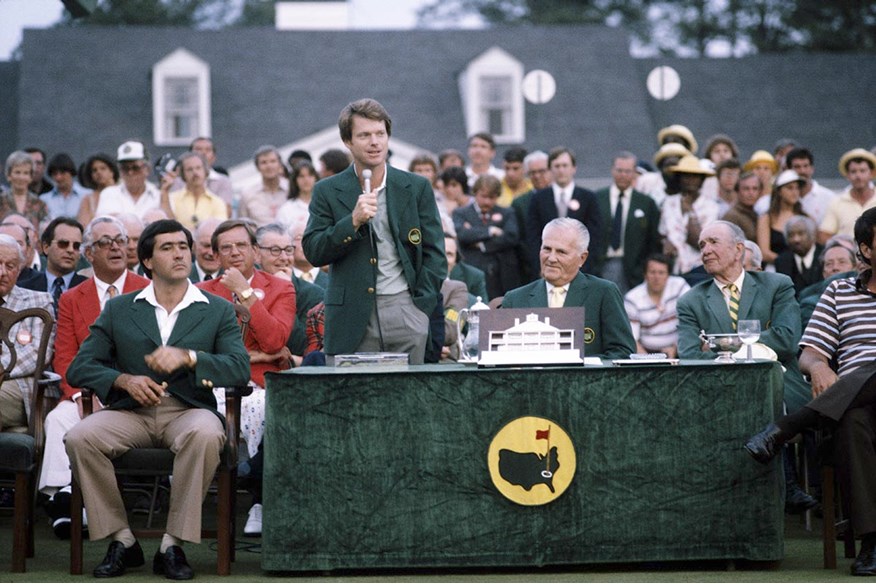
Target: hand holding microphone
(366,206)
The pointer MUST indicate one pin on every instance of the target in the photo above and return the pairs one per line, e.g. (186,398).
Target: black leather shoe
(172,564)
(797,500)
(865,563)
(118,559)
(766,445)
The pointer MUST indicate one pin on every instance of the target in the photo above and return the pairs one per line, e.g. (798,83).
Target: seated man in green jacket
(564,243)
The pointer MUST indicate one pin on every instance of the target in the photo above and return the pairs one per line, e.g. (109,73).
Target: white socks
(168,540)
(125,536)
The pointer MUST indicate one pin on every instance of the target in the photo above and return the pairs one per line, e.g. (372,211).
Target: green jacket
(331,239)
(607,332)
(127,330)
(767,297)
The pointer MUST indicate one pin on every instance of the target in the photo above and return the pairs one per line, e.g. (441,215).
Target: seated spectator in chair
(474,279)
(104,247)
(16,393)
(802,260)
(651,305)
(153,358)
(61,240)
(841,331)
(271,303)
(206,265)
(838,260)
(563,252)
(753,259)
(301,266)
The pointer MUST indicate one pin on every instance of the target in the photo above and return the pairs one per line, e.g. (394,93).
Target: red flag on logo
(543,434)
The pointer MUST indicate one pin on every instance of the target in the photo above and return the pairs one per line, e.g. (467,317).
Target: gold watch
(246,294)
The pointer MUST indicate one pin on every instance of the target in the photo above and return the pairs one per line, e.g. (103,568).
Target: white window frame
(493,63)
(180,64)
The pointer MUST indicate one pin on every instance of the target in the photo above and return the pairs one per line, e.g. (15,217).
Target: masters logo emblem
(531,461)
(414,236)
(589,335)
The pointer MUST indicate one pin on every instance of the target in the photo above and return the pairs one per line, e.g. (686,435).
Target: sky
(16,15)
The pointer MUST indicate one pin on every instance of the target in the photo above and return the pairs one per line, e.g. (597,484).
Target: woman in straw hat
(784,204)
(764,165)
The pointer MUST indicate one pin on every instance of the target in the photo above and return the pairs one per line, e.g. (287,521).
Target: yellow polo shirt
(190,211)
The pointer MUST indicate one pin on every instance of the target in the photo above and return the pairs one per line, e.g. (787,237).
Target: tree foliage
(190,13)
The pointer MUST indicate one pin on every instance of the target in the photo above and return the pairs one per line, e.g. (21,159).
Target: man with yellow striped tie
(733,294)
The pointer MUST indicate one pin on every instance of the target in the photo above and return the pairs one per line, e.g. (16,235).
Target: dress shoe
(865,563)
(172,564)
(766,445)
(118,559)
(797,500)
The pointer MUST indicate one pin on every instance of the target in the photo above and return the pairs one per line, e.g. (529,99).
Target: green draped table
(371,468)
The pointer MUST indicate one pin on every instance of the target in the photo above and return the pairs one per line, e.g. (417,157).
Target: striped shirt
(843,325)
(655,326)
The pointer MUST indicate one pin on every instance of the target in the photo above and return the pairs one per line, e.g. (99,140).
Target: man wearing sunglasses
(61,240)
(134,194)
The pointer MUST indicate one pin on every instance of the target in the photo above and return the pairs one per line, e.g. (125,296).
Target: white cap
(786,177)
(131,150)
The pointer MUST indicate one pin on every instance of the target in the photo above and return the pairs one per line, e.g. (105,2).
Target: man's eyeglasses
(64,244)
(539,171)
(228,248)
(276,249)
(132,167)
(106,242)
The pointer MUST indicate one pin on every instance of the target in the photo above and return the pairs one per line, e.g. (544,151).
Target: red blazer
(272,317)
(78,308)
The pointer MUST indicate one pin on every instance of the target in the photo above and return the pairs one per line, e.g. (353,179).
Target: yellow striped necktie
(734,303)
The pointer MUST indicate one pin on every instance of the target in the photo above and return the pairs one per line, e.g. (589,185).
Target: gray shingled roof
(85,89)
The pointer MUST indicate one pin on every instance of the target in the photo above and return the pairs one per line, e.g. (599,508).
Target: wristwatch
(246,294)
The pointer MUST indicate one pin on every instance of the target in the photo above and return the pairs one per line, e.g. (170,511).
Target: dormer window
(492,98)
(180,99)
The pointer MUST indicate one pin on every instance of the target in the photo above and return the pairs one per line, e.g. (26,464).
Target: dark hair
(34,150)
(49,232)
(228,225)
(298,155)
(776,202)
(367,108)
(146,245)
(423,158)
(335,160)
(865,228)
(445,154)
(516,154)
(486,137)
(798,153)
(297,168)
(85,170)
(489,182)
(457,175)
(559,151)
(731,163)
(61,162)
(660,259)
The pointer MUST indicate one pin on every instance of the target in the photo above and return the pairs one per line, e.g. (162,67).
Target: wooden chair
(158,462)
(21,454)
(831,502)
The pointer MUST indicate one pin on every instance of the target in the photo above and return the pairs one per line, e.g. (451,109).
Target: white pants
(252,416)
(55,471)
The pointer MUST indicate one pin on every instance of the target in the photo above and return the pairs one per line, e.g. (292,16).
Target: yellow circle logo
(531,461)
(589,335)
(414,236)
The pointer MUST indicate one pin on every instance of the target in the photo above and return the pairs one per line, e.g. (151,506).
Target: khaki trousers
(196,437)
(13,417)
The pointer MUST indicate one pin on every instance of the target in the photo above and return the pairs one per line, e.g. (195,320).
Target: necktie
(208,277)
(561,204)
(557,297)
(57,289)
(112,291)
(734,303)
(485,218)
(618,226)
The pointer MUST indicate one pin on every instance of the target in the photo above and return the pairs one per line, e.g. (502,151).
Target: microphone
(366,174)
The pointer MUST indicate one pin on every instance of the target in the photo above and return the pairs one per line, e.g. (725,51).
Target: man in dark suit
(607,331)
(802,260)
(630,220)
(104,247)
(385,246)
(61,240)
(153,358)
(488,236)
(303,269)
(535,164)
(474,279)
(562,199)
(206,262)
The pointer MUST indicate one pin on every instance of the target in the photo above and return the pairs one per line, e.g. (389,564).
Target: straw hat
(671,149)
(681,132)
(690,164)
(787,177)
(761,156)
(852,155)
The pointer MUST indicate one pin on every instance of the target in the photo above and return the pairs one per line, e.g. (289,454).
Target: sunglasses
(64,244)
